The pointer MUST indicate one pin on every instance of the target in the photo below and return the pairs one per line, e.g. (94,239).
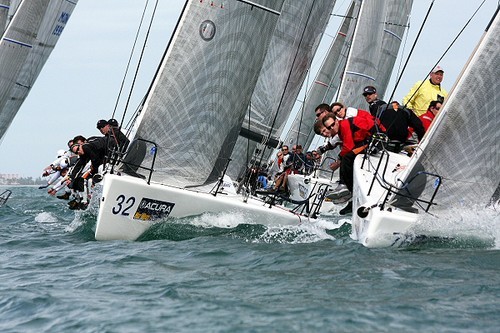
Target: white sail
(196,104)
(327,81)
(4,14)
(295,41)
(364,56)
(463,143)
(29,38)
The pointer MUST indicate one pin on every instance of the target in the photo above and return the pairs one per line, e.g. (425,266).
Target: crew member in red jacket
(354,133)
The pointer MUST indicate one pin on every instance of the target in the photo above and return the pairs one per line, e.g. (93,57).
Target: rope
(129,60)
(140,60)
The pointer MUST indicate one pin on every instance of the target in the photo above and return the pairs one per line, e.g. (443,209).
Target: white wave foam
(306,232)
(45,217)
(480,223)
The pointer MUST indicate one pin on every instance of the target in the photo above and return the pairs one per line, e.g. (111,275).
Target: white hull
(380,228)
(129,207)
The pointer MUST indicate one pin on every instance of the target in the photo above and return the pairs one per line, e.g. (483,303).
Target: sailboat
(31,31)
(188,124)
(4,196)
(374,42)
(454,168)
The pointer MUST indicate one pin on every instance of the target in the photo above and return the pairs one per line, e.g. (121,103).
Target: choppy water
(190,277)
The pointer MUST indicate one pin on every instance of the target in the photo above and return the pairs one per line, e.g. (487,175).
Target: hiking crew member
(421,94)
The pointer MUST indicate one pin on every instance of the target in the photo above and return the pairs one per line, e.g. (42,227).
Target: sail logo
(63,19)
(150,210)
(207,30)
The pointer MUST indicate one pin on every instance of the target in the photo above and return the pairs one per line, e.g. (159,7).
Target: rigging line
(449,47)
(130,60)
(404,47)
(140,60)
(288,80)
(248,140)
(411,51)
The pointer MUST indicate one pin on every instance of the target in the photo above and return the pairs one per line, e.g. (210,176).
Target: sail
(30,37)
(4,14)
(463,143)
(294,43)
(197,101)
(327,81)
(364,56)
(396,21)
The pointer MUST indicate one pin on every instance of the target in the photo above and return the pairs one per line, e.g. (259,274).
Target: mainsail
(463,143)
(294,43)
(364,56)
(327,81)
(4,14)
(27,42)
(196,104)
(396,21)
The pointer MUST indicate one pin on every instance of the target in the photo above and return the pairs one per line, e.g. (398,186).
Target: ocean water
(189,276)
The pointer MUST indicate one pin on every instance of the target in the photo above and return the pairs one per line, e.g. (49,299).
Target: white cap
(437,69)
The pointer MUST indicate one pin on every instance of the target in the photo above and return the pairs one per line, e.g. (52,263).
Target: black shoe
(73,204)
(65,196)
(347,209)
(43,186)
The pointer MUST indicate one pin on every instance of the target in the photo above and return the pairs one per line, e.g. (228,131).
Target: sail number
(123,205)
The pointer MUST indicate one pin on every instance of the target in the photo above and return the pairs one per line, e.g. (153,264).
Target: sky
(81,80)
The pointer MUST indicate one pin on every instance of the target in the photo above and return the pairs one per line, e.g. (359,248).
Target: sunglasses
(330,127)
(367,94)
(320,113)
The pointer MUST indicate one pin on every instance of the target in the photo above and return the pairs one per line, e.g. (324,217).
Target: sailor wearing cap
(422,93)
(371,97)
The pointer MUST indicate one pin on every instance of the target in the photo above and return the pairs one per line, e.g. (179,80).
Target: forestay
(197,101)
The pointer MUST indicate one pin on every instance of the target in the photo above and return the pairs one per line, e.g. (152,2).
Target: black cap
(369,90)
(113,122)
(101,123)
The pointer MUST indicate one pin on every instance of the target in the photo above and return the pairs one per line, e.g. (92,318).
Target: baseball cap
(101,123)
(437,69)
(113,122)
(369,90)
